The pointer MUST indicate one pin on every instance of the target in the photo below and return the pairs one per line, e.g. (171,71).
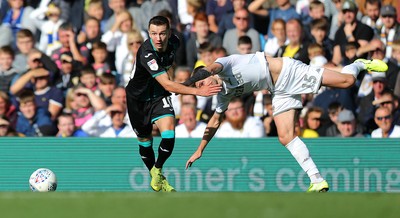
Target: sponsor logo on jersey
(153,64)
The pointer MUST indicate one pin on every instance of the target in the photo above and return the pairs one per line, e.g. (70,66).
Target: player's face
(159,36)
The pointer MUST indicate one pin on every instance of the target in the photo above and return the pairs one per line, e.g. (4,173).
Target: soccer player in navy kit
(286,79)
(148,98)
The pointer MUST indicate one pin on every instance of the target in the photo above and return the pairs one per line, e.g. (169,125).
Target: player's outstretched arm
(212,127)
(178,88)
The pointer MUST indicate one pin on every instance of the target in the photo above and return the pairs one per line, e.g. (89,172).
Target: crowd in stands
(64,64)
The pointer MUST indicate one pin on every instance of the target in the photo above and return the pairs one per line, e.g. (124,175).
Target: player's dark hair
(159,21)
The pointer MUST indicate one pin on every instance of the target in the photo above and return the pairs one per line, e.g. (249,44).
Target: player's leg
(166,126)
(347,76)
(285,124)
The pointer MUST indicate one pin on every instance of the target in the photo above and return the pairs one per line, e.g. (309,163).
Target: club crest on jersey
(153,64)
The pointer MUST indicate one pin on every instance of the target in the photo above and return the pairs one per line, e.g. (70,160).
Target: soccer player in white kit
(286,79)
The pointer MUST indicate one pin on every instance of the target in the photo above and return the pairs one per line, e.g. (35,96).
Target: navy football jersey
(149,64)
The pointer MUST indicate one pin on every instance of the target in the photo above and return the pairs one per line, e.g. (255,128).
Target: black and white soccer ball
(43,180)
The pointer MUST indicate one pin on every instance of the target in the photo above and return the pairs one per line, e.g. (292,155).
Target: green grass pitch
(197,205)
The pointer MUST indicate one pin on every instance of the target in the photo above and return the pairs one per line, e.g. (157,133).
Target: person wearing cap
(387,129)
(366,109)
(38,79)
(351,30)
(390,30)
(347,124)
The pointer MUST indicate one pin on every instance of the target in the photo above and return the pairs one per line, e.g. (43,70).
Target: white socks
(353,69)
(300,152)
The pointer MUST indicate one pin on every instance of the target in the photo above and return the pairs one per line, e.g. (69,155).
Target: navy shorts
(142,114)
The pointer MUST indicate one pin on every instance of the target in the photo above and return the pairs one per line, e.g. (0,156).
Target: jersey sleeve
(149,61)
(174,40)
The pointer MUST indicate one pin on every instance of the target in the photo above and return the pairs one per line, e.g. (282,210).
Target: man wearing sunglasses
(387,129)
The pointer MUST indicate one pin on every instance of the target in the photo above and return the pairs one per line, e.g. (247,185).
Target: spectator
(88,79)
(90,34)
(17,17)
(319,35)
(227,23)
(66,37)
(190,127)
(47,20)
(8,110)
(25,43)
(351,30)
(32,120)
(5,128)
(330,128)
(95,11)
(297,47)
(244,45)
(85,104)
(391,102)
(118,127)
(99,53)
(69,75)
(238,125)
(6,37)
(37,79)
(372,15)
(312,123)
(285,10)
(107,84)
(206,57)
(337,16)
(134,41)
(180,76)
(215,11)
(200,35)
(384,120)
(316,12)
(116,37)
(7,72)
(347,124)
(66,127)
(366,109)
(390,30)
(117,6)
(274,43)
(268,120)
(149,9)
(393,76)
(242,27)
(317,57)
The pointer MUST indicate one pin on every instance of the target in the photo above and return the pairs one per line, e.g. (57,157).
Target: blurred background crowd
(64,63)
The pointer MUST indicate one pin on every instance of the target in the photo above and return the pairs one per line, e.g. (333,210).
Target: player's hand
(196,155)
(208,90)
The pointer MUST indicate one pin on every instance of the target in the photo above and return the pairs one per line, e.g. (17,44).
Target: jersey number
(167,102)
(309,82)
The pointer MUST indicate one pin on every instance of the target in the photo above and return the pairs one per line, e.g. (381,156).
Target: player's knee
(286,139)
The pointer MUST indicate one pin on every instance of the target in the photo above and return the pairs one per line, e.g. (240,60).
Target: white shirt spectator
(395,133)
(182,132)
(100,125)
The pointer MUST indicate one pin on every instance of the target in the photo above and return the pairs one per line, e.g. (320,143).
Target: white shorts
(296,78)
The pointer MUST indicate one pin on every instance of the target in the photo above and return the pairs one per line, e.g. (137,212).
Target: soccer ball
(43,180)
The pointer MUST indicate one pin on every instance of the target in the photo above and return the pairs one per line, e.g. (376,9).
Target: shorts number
(167,102)
(309,82)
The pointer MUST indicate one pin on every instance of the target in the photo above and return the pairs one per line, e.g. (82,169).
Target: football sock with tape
(166,147)
(300,152)
(353,69)
(147,154)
